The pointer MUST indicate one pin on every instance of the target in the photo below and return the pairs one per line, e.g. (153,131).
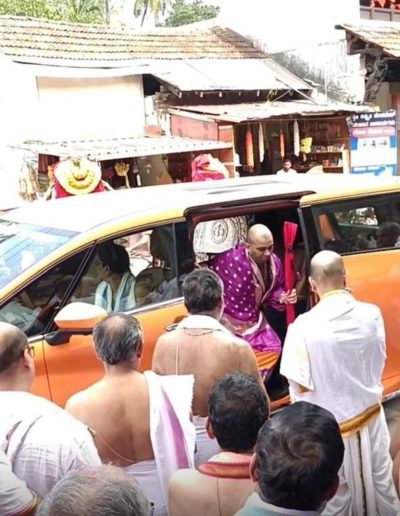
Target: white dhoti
(146,475)
(172,434)
(366,484)
(205,447)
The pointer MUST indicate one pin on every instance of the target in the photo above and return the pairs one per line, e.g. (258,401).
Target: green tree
(156,7)
(31,8)
(184,12)
(83,11)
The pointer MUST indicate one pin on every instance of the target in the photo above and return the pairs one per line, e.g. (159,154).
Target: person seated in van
(389,235)
(337,246)
(116,290)
(252,275)
(362,243)
(237,409)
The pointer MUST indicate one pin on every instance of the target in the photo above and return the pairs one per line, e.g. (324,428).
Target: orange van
(49,257)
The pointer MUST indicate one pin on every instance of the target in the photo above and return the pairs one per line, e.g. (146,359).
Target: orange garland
(249,151)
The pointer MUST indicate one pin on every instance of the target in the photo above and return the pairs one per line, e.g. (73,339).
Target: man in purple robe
(252,275)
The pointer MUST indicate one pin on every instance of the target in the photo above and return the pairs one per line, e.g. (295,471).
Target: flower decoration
(78,175)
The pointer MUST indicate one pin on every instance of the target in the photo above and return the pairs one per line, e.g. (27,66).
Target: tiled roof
(385,35)
(48,42)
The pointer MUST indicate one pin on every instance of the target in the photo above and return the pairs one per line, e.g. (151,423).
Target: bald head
(327,270)
(259,243)
(258,232)
(12,344)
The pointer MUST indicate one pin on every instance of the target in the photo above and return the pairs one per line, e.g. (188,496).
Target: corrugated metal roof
(52,42)
(217,75)
(265,110)
(121,147)
(385,35)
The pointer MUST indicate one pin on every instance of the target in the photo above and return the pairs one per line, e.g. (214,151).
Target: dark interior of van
(274,219)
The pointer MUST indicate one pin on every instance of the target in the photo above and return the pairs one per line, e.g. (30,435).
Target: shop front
(314,137)
(124,162)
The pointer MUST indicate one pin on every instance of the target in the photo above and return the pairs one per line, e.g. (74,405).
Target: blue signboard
(373,143)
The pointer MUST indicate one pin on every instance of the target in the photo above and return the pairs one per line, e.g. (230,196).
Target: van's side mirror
(75,319)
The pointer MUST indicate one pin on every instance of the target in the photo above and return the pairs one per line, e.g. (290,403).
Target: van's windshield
(22,245)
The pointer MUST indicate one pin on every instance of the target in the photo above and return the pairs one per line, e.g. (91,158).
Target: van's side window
(365,225)
(33,308)
(138,269)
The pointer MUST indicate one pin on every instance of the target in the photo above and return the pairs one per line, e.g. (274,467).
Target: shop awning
(116,148)
(248,112)
(204,75)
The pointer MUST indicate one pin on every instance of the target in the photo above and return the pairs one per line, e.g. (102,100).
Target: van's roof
(83,213)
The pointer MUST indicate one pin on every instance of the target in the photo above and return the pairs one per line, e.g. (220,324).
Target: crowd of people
(195,434)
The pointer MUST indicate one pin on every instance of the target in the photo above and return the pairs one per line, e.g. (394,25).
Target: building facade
(302,37)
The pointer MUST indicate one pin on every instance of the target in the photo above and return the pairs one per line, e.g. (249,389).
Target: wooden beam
(355,45)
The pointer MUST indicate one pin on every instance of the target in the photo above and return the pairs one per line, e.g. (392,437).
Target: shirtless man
(237,409)
(201,346)
(118,409)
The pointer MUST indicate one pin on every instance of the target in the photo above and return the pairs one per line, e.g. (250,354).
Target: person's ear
(253,468)
(312,284)
(209,430)
(139,351)
(333,489)
(27,361)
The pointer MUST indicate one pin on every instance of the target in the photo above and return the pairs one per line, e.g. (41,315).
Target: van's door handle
(171,327)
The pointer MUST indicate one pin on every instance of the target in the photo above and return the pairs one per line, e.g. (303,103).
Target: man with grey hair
(334,357)
(41,441)
(152,436)
(202,346)
(101,491)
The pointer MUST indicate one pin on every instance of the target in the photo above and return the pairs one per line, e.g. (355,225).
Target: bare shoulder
(184,479)
(242,345)
(76,403)
(188,493)
(232,340)
(165,340)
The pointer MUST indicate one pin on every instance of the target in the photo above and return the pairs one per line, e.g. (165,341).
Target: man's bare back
(208,354)
(117,409)
(209,495)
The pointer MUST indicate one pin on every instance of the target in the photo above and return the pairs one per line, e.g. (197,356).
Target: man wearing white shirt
(42,442)
(334,357)
(286,168)
(15,498)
